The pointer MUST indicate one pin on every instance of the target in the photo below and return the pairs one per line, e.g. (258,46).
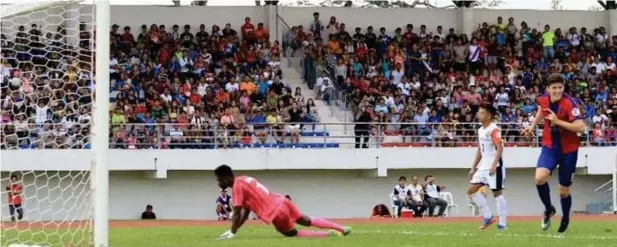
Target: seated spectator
(380,211)
(432,196)
(402,195)
(444,78)
(223,206)
(417,202)
(148,214)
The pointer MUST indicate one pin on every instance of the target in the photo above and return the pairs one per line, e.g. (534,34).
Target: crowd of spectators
(436,79)
(174,87)
(171,87)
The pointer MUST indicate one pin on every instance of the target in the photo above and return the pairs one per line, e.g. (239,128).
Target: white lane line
(499,234)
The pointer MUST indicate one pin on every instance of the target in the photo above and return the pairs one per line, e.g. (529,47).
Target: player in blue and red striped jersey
(560,143)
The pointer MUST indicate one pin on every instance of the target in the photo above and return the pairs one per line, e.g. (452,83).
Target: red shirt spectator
(248,29)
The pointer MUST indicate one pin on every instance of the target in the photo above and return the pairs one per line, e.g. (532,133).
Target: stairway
(291,68)
(604,200)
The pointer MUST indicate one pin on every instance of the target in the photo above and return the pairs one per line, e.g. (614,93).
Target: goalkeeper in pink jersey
(272,208)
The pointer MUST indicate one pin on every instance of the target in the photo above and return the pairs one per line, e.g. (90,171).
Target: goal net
(47,81)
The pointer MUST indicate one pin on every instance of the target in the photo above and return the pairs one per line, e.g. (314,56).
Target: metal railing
(263,135)
(285,43)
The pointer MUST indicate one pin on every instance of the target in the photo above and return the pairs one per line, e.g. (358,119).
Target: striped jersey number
(249,180)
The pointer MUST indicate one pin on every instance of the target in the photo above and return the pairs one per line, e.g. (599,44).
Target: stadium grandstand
(323,84)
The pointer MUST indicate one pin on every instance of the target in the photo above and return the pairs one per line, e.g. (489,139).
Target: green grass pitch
(597,232)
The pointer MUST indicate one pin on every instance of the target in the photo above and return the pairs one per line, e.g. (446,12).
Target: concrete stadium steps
(291,68)
(600,208)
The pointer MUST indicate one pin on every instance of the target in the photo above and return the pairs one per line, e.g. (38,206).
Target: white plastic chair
(472,208)
(393,205)
(447,196)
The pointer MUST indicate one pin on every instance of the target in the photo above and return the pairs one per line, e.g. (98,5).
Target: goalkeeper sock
(312,234)
(325,224)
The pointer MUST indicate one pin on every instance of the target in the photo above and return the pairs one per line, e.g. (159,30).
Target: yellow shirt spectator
(273,119)
(548,39)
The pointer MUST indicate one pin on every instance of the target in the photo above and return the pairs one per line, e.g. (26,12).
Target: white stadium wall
(465,20)
(342,183)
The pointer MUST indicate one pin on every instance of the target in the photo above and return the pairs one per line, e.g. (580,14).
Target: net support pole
(615,185)
(100,179)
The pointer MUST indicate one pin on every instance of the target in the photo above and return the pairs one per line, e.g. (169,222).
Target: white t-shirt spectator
(401,192)
(574,39)
(431,191)
(189,109)
(274,64)
(112,65)
(502,99)
(21,125)
(416,192)
(602,119)
(405,87)
(611,66)
(390,101)
(201,89)
(42,114)
(323,83)
(198,121)
(396,77)
(474,53)
(68,122)
(232,87)
(85,118)
(166,97)
(600,67)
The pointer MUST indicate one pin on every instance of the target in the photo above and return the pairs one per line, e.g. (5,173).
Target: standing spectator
(548,41)
(294,117)
(14,191)
(362,128)
(316,27)
(248,31)
(432,196)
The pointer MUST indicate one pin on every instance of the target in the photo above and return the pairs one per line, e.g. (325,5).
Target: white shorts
(495,182)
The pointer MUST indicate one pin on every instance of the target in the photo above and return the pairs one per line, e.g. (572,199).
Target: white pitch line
(504,234)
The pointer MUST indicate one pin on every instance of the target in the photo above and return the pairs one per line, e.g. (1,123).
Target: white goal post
(54,72)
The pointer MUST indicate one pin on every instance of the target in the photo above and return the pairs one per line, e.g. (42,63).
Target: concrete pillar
(272,21)
(73,14)
(466,21)
(612,21)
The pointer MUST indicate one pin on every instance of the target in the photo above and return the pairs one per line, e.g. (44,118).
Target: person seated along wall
(148,214)
(380,211)
(223,206)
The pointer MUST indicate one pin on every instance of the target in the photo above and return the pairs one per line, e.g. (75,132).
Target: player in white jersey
(488,168)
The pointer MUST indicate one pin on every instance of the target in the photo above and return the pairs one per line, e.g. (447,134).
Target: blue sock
(566,205)
(545,196)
